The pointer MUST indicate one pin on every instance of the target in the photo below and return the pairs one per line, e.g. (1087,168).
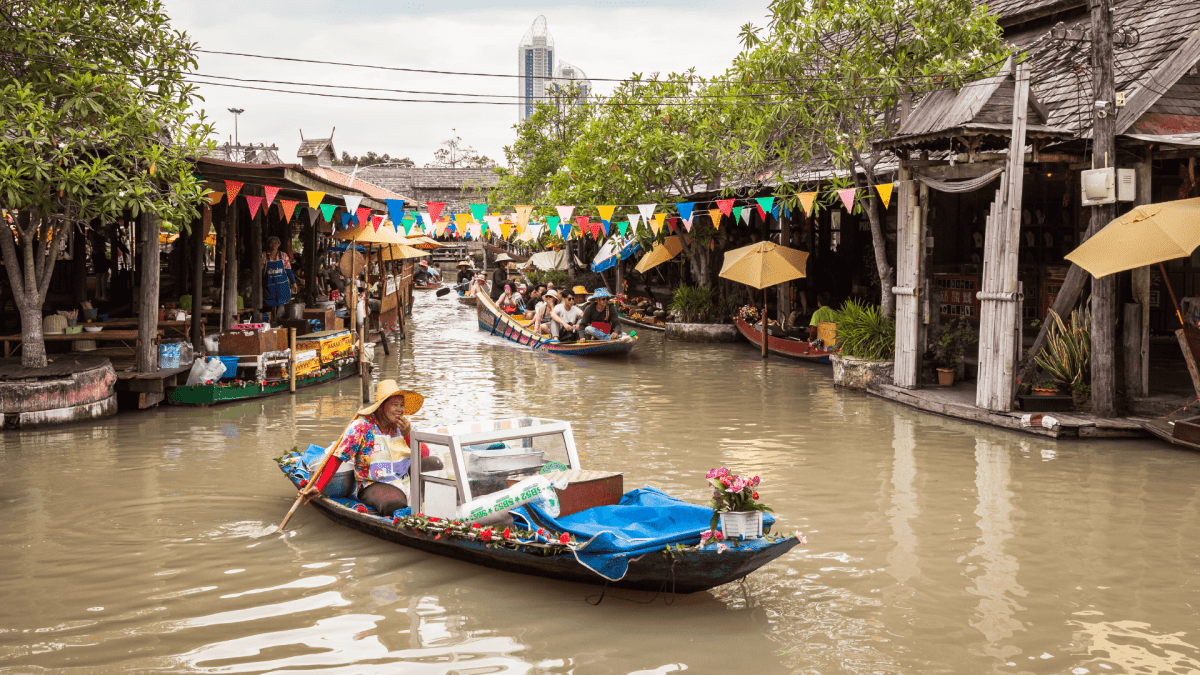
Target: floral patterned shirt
(358,445)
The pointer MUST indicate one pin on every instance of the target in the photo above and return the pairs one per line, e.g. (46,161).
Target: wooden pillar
(1133,348)
(79,263)
(999,295)
(199,228)
(1104,289)
(785,289)
(147,355)
(229,297)
(909,241)
(1141,290)
(255,251)
(310,266)
(292,359)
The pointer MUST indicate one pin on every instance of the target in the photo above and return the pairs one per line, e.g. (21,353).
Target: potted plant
(735,504)
(1066,355)
(950,347)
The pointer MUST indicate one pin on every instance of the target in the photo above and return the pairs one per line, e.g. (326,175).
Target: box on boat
(251,342)
(330,345)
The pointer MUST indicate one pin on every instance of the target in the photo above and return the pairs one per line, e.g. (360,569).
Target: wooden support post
(909,240)
(1000,311)
(1104,289)
(362,363)
(79,262)
(229,285)
(766,333)
(147,351)
(198,228)
(310,266)
(1133,349)
(292,359)
(255,251)
(1141,290)
(784,303)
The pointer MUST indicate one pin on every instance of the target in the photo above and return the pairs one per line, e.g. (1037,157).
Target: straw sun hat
(579,290)
(387,389)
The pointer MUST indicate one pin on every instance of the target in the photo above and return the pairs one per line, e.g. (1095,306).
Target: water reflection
(145,542)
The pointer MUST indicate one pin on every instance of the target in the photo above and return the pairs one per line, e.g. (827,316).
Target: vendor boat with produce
(642,313)
(511,495)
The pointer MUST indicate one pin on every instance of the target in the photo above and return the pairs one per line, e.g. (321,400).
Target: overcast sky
(604,38)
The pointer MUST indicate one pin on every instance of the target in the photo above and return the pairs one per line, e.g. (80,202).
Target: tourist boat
(466,299)
(516,329)
(428,287)
(335,358)
(794,348)
(585,529)
(640,324)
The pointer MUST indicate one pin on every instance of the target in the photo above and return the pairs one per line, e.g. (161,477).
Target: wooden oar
(313,479)
(441,292)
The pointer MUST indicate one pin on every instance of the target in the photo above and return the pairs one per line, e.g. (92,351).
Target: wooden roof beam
(1160,80)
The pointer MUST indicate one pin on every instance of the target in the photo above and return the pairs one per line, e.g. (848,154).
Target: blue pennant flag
(685,209)
(395,209)
(346,219)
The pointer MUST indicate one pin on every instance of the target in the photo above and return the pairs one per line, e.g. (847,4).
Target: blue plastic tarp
(644,521)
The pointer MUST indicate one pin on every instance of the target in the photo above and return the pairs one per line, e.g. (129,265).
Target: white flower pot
(744,524)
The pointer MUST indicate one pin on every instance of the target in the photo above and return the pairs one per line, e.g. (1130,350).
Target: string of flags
(478,223)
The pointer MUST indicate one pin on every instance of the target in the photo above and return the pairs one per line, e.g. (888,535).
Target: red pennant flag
(435,209)
(253,203)
(597,229)
(232,188)
(671,223)
(726,206)
(582,221)
(289,207)
(364,215)
(271,192)
(376,221)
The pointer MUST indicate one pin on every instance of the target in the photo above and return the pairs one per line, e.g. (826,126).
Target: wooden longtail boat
(789,347)
(466,299)
(240,390)
(644,539)
(640,324)
(428,287)
(515,329)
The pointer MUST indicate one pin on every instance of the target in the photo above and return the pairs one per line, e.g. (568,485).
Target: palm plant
(694,303)
(1065,357)
(864,331)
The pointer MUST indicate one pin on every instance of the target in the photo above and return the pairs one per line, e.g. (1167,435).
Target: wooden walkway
(958,401)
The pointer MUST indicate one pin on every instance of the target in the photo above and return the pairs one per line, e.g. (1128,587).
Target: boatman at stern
(377,441)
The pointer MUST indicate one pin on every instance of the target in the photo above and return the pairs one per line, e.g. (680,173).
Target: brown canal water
(143,544)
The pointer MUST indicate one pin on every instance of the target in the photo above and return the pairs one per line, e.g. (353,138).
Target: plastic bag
(537,490)
(168,355)
(205,371)
(212,343)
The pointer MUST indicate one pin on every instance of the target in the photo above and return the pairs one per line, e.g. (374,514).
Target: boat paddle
(313,479)
(442,292)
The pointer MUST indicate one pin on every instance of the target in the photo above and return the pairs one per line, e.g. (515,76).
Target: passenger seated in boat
(464,274)
(535,298)
(824,313)
(479,283)
(377,442)
(565,320)
(543,314)
(599,319)
(507,302)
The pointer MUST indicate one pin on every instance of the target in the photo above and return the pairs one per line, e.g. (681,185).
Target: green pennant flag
(764,205)
(408,223)
(552,222)
(737,213)
(478,211)
(327,211)
(622,225)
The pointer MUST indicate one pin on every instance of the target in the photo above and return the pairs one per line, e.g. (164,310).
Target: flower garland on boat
(546,543)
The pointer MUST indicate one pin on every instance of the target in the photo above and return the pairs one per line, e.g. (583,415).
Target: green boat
(241,390)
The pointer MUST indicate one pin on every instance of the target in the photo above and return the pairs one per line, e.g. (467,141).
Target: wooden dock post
(362,362)
(147,348)
(198,231)
(910,240)
(292,360)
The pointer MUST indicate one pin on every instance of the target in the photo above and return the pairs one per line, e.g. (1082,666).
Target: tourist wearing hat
(600,319)
(464,273)
(542,319)
(500,276)
(377,441)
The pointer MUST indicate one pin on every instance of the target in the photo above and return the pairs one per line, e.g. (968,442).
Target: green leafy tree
(543,140)
(653,141)
(835,76)
(95,123)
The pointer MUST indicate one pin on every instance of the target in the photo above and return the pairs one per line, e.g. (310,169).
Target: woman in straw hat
(377,442)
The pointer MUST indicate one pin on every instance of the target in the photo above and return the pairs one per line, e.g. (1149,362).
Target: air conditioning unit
(1126,185)
(1098,186)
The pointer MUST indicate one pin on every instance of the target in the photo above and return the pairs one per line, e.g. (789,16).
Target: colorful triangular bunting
(253,203)
(806,202)
(327,211)
(435,208)
(726,206)
(715,214)
(847,196)
(314,199)
(289,207)
(885,193)
(764,205)
(270,192)
(232,188)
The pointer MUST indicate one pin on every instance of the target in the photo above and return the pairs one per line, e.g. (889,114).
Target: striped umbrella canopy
(764,264)
(661,253)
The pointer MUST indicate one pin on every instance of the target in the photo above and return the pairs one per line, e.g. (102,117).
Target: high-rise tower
(535,63)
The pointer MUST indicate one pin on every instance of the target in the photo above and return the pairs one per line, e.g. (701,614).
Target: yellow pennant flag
(505,228)
(806,201)
(715,214)
(314,199)
(605,212)
(440,228)
(463,221)
(523,213)
(885,193)
(659,219)
(214,198)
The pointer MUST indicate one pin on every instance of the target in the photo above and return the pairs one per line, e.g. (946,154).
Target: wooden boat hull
(211,394)
(492,320)
(467,300)
(1164,431)
(428,287)
(690,573)
(793,349)
(639,324)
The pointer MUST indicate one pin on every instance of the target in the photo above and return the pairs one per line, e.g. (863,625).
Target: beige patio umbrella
(426,243)
(661,253)
(1149,234)
(762,265)
(400,252)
